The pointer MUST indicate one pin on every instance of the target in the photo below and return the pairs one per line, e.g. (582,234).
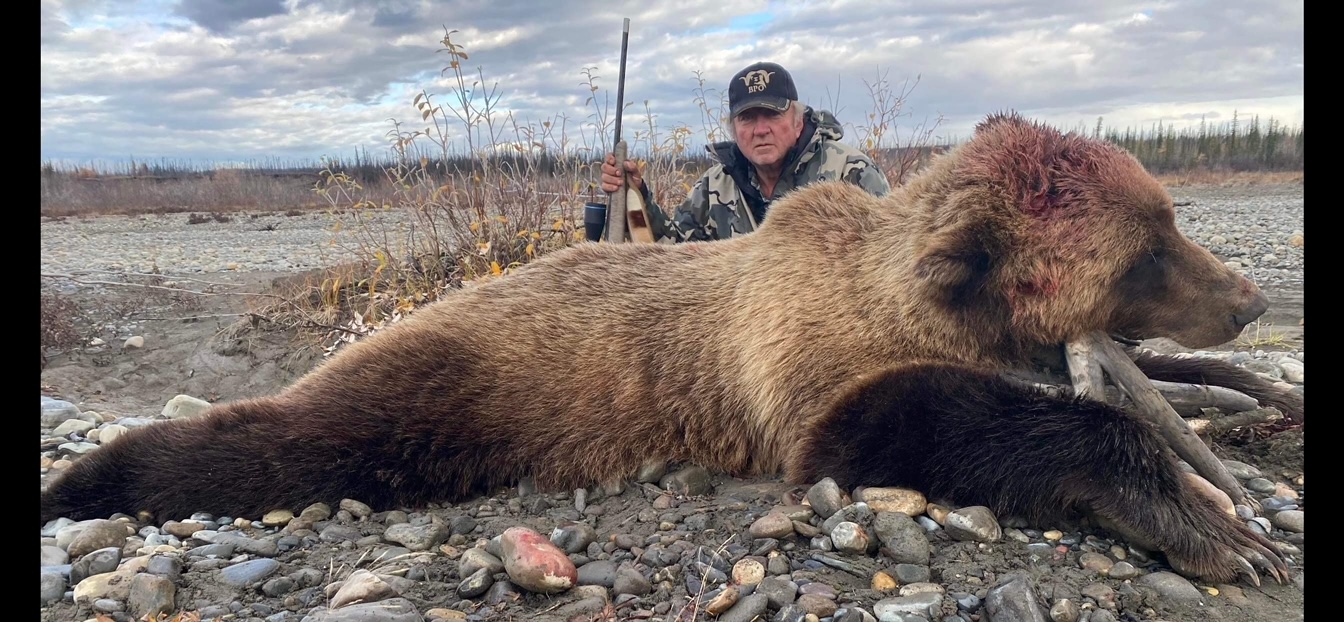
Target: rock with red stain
(535,564)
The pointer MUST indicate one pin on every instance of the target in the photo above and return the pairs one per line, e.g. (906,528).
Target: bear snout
(1254,308)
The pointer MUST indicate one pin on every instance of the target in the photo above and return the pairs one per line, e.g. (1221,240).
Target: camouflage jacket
(719,206)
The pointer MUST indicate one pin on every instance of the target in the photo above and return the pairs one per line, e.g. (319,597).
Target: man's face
(765,136)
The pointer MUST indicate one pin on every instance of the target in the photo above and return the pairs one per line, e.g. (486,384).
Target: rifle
(627,218)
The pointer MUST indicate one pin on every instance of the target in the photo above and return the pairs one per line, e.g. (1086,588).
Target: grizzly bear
(850,336)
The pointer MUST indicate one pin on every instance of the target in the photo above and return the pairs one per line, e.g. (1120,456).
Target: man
(780,145)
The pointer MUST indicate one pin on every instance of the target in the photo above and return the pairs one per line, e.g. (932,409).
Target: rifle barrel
(620,81)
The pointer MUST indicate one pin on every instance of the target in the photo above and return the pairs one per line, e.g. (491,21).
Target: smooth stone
(248,572)
(151,595)
(976,523)
(390,610)
(903,500)
(534,564)
(1012,598)
(1171,585)
(825,498)
(362,586)
(184,406)
(1290,520)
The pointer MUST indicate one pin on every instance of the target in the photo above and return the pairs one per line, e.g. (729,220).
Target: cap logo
(757,80)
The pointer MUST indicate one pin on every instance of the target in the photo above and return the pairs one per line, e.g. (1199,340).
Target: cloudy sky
(217,81)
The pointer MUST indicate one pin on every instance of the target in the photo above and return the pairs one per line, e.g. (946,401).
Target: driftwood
(1204,427)
(1189,400)
(1149,403)
(1085,370)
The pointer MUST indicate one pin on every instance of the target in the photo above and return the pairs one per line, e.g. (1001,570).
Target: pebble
(852,538)
(748,572)
(53,587)
(151,595)
(1122,571)
(54,556)
(1171,586)
(248,572)
(114,585)
(1064,610)
(816,604)
(184,406)
(825,498)
(630,581)
(418,537)
(778,590)
(277,518)
(911,573)
(1095,562)
(475,584)
(55,412)
(723,601)
(772,525)
(883,582)
(747,609)
(96,534)
(650,472)
(573,537)
(1011,599)
(692,481)
(926,604)
(903,500)
(96,562)
(1289,520)
(904,541)
(534,564)
(390,610)
(973,523)
(362,586)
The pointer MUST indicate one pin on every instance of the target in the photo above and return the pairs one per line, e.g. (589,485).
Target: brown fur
(600,357)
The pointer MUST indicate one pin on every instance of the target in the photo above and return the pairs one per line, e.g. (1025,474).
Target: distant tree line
(1234,145)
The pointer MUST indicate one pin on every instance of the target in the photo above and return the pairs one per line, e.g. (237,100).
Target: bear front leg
(973,438)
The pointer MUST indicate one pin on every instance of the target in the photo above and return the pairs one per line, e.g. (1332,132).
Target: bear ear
(955,258)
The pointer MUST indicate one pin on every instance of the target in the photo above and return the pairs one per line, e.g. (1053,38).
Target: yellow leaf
(475,226)
(559,225)
(501,218)
(495,269)
(523,233)
(1213,591)
(530,249)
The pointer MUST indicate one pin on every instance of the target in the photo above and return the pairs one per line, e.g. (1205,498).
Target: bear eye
(1149,270)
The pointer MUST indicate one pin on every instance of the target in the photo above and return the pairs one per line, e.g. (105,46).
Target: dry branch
(1151,405)
(1189,400)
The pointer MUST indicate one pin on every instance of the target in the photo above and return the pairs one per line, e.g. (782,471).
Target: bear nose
(1253,310)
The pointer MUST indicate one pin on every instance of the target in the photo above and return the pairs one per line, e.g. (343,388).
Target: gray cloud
(222,15)
(219,80)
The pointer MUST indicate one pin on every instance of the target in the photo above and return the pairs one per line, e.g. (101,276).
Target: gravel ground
(1252,225)
(671,546)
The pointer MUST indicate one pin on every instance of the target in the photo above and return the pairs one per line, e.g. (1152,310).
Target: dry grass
(1206,177)
(1261,335)
(518,196)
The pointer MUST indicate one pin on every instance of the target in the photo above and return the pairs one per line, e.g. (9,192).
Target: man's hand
(611,176)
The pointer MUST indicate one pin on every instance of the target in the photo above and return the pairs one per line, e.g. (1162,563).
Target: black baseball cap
(761,85)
